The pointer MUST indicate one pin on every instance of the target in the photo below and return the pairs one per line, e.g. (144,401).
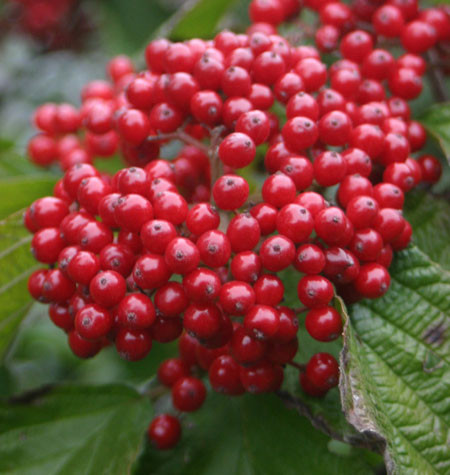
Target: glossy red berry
(323,371)
(133,344)
(83,266)
(230,192)
(224,376)
(277,253)
(202,285)
(93,322)
(182,255)
(309,259)
(171,370)
(262,321)
(164,431)
(171,299)
(373,281)
(136,311)
(81,347)
(202,320)
(108,288)
(188,394)
(300,133)
(314,291)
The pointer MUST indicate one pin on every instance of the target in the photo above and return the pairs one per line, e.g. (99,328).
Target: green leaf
(73,430)
(250,435)
(430,218)
(16,264)
(127,28)
(195,18)
(21,191)
(396,379)
(12,164)
(437,121)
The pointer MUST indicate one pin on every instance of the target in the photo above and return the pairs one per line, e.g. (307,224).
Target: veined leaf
(250,435)
(396,380)
(437,121)
(73,430)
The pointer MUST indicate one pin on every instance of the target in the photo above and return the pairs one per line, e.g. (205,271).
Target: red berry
(323,371)
(171,299)
(93,322)
(182,256)
(236,298)
(300,133)
(314,291)
(243,225)
(151,271)
(262,321)
(171,370)
(83,266)
(46,245)
(202,285)
(269,290)
(335,128)
(108,288)
(202,320)
(278,190)
(431,168)
(164,431)
(230,192)
(309,259)
(373,281)
(188,394)
(277,253)
(81,347)
(237,150)
(261,378)
(133,345)
(329,168)
(224,376)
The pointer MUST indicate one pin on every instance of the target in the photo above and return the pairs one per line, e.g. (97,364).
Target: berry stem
(300,310)
(179,135)
(213,152)
(299,366)
(436,77)
(155,393)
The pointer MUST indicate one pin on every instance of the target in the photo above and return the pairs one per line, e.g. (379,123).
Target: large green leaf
(430,218)
(19,192)
(437,121)
(200,19)
(16,264)
(73,430)
(194,19)
(250,435)
(128,25)
(396,380)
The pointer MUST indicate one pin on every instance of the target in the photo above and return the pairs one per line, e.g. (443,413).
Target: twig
(437,78)
(213,152)
(320,423)
(300,310)
(299,366)
(179,135)
(30,397)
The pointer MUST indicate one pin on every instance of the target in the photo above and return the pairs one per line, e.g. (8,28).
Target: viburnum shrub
(195,248)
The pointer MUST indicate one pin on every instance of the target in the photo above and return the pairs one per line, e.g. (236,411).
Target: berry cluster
(53,23)
(166,250)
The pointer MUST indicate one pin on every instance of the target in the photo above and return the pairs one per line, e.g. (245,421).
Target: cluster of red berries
(53,23)
(167,250)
